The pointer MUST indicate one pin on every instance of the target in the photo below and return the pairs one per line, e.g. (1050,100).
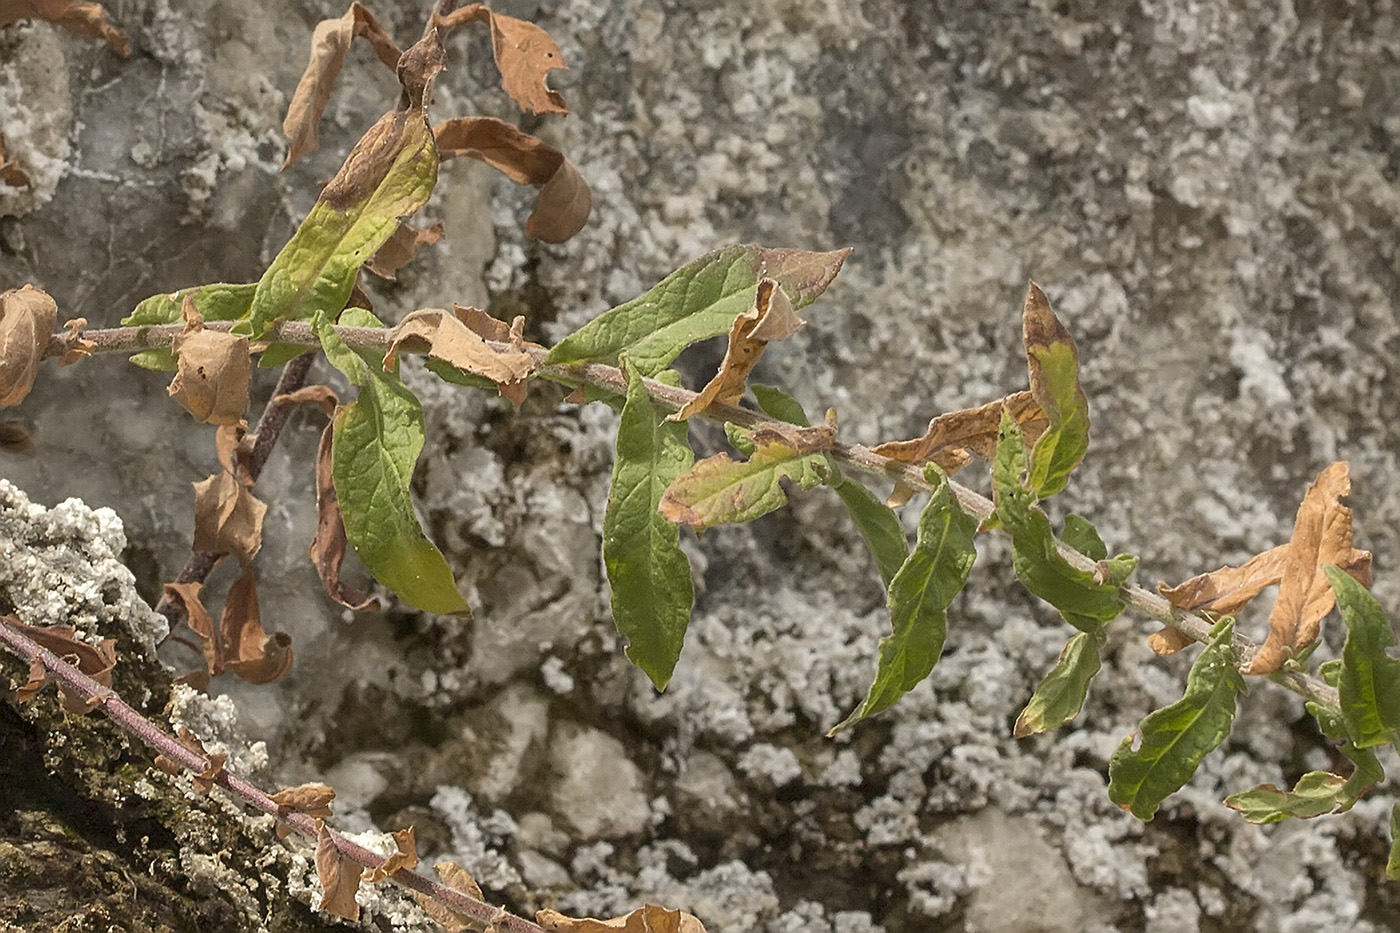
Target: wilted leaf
(255,656)
(1321,537)
(214,371)
(1366,767)
(387,176)
(1369,685)
(38,676)
(647,919)
(339,876)
(1229,589)
(525,54)
(376,443)
(1168,641)
(312,799)
(647,571)
(919,595)
(81,19)
(456,878)
(199,621)
(950,436)
(565,200)
(1176,737)
(770,318)
(76,346)
(444,337)
(328,547)
(1060,696)
(330,43)
(696,302)
(96,661)
(27,319)
(1315,794)
(401,246)
(205,779)
(1054,370)
(227,517)
(405,856)
(720,491)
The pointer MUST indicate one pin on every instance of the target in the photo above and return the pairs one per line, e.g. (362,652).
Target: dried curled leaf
(525,54)
(445,337)
(339,876)
(96,661)
(214,371)
(227,517)
(312,799)
(647,919)
(456,878)
(1229,589)
(214,762)
(76,346)
(771,318)
(81,19)
(402,245)
(248,650)
(198,620)
(565,200)
(405,856)
(328,547)
(1321,537)
(330,43)
(27,319)
(950,436)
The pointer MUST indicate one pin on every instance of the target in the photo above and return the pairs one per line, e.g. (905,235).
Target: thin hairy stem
(165,744)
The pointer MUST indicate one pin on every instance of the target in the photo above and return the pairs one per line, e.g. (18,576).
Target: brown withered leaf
(1168,641)
(446,338)
(10,172)
(38,676)
(456,878)
(255,656)
(809,440)
(76,346)
(339,876)
(401,246)
(199,621)
(27,319)
(525,54)
(405,856)
(15,439)
(565,200)
(214,762)
(214,372)
(81,19)
(314,800)
(771,318)
(484,325)
(330,43)
(1321,536)
(96,661)
(328,547)
(227,517)
(1229,589)
(951,435)
(647,919)
(323,397)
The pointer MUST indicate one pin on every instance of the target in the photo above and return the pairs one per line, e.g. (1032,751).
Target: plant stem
(134,723)
(611,379)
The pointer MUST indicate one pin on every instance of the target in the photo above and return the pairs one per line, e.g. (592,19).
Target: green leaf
(697,301)
(1366,767)
(1370,680)
(1315,793)
(1085,603)
(1081,535)
(739,438)
(1392,864)
(375,444)
(1054,375)
(1060,696)
(387,176)
(721,491)
(778,404)
(1176,738)
(217,302)
(919,597)
(648,572)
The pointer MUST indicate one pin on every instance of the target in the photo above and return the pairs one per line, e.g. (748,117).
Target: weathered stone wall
(1207,192)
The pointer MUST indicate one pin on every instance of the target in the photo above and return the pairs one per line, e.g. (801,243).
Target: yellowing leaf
(214,371)
(770,318)
(27,319)
(330,43)
(647,919)
(525,54)
(447,338)
(339,876)
(401,246)
(565,200)
(718,490)
(1321,536)
(81,19)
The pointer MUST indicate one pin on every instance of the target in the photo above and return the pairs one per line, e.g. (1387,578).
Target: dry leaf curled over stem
(564,202)
(81,19)
(27,319)
(525,55)
(649,918)
(457,878)
(402,246)
(330,43)
(447,337)
(96,661)
(214,371)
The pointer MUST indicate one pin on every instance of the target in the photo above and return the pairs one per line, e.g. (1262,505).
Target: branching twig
(134,723)
(611,379)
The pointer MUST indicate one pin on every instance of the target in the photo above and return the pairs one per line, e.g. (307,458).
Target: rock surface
(1208,193)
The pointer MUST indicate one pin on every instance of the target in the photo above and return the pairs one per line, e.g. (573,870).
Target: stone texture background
(1206,190)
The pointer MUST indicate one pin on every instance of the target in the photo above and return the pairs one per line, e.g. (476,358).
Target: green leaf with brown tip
(698,301)
(1060,696)
(648,572)
(1315,793)
(1053,360)
(1177,737)
(1369,684)
(919,596)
